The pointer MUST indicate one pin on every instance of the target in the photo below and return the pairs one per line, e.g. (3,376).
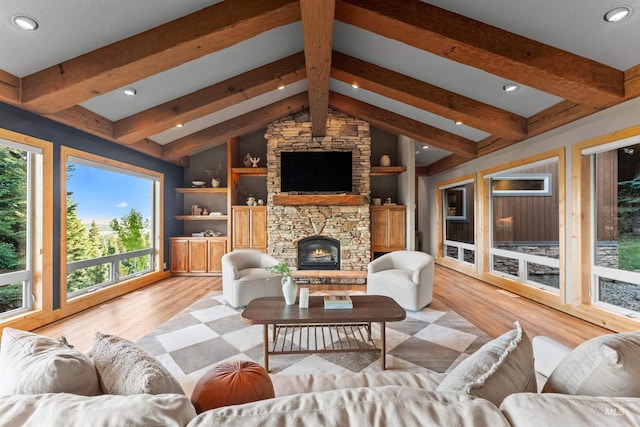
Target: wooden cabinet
(388,228)
(197,256)
(249,227)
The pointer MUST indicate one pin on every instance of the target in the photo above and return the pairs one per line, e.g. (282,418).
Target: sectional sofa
(46,383)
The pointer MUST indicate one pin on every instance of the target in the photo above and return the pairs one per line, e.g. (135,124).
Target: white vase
(289,290)
(215,183)
(385,160)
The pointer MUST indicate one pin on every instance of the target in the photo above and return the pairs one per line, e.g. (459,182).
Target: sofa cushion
(535,410)
(307,383)
(32,363)
(125,368)
(608,365)
(62,409)
(383,406)
(499,368)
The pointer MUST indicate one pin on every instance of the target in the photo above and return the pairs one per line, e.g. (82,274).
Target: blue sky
(102,195)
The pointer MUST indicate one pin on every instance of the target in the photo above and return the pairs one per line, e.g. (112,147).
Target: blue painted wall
(26,123)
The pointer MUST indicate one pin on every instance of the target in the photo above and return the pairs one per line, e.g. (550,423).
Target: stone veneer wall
(349,224)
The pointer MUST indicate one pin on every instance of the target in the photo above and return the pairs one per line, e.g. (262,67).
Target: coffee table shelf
(322,338)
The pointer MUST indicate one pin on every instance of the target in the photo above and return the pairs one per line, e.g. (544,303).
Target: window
(525,224)
(616,227)
(111,222)
(458,219)
(21,223)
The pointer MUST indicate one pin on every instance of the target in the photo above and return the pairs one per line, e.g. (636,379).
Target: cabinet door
(179,255)
(396,229)
(259,228)
(378,228)
(241,228)
(198,256)
(217,248)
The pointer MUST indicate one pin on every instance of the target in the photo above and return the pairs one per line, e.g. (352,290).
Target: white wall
(622,116)
(407,186)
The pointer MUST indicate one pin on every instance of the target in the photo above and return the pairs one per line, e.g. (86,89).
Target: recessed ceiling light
(25,22)
(425,147)
(617,14)
(458,122)
(354,85)
(129,91)
(281,87)
(179,125)
(510,87)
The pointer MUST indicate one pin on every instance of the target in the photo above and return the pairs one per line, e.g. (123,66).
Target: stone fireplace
(348,225)
(319,253)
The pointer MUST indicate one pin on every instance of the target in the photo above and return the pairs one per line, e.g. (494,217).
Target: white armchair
(405,276)
(244,277)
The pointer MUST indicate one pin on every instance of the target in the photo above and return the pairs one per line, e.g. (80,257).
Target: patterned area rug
(210,331)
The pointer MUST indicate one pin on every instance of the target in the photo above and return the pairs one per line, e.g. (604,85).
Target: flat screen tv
(316,171)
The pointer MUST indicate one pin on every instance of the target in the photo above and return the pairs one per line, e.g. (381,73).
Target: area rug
(210,331)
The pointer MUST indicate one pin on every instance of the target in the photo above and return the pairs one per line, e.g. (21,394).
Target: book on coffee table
(332,302)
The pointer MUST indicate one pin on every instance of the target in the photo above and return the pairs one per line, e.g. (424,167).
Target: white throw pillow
(31,364)
(499,368)
(125,368)
(608,365)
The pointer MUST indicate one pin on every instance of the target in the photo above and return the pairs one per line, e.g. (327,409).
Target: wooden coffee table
(318,330)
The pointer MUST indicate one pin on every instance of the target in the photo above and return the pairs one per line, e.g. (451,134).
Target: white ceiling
(70,28)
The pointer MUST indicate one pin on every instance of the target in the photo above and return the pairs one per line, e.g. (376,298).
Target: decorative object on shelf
(260,202)
(198,184)
(251,201)
(215,175)
(215,213)
(211,233)
(389,201)
(385,160)
(289,286)
(197,234)
(377,201)
(195,210)
(254,162)
(205,211)
(247,160)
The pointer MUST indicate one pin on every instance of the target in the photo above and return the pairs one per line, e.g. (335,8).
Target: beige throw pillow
(124,368)
(31,364)
(608,365)
(499,368)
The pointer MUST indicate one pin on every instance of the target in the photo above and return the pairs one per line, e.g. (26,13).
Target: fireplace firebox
(319,253)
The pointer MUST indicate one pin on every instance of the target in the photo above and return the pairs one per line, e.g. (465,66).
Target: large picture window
(458,217)
(525,224)
(111,223)
(21,224)
(616,227)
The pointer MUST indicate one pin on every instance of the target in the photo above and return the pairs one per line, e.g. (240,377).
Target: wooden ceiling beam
(317,28)
(441,165)
(632,82)
(395,123)
(9,88)
(211,99)
(488,48)
(153,51)
(240,125)
(427,97)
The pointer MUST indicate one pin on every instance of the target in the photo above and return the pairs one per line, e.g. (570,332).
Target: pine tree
(13,209)
(132,236)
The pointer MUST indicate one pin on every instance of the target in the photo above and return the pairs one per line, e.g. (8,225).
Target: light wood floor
(134,315)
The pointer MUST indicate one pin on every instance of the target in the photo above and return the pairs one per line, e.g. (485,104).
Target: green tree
(99,273)
(132,236)
(13,209)
(78,247)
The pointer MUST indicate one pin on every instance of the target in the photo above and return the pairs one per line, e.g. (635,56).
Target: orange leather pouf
(231,383)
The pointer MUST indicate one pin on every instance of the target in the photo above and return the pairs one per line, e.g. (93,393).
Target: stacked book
(332,302)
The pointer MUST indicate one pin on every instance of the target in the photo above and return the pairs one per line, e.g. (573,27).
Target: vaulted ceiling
(228,68)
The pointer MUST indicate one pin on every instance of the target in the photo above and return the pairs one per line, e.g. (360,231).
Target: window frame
(101,292)
(38,293)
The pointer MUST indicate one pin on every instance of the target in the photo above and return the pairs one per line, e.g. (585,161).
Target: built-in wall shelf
(250,171)
(317,199)
(386,170)
(202,190)
(201,217)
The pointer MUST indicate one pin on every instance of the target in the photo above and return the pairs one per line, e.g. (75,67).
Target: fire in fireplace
(319,253)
